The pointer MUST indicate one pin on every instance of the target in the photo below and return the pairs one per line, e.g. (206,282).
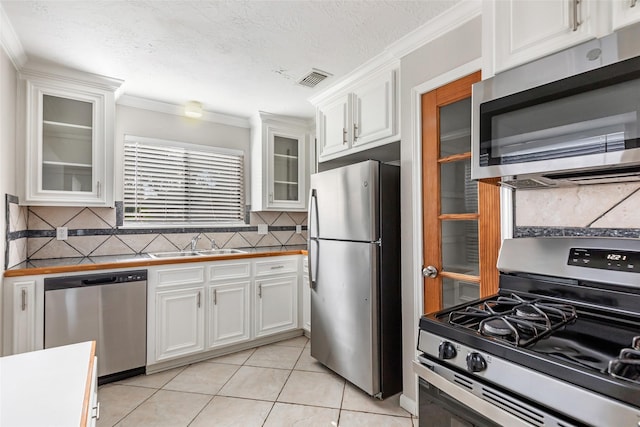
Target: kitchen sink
(221,251)
(204,252)
(175,254)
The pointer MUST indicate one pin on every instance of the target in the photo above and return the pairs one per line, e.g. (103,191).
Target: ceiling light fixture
(193,109)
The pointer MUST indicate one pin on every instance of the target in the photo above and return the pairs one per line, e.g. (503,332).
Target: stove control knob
(475,362)
(446,350)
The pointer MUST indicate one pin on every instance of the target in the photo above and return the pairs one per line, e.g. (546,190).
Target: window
(171,183)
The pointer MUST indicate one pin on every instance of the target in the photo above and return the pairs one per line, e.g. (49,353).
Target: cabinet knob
(24,299)
(355,131)
(344,136)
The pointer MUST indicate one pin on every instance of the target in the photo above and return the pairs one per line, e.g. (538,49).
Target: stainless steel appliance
(559,345)
(354,269)
(566,119)
(110,308)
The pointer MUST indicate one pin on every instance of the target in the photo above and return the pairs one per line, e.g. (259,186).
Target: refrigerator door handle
(312,196)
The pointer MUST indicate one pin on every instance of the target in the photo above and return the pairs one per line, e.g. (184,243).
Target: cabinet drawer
(181,276)
(277,265)
(226,270)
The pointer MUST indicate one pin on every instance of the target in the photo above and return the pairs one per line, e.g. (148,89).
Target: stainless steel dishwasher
(110,308)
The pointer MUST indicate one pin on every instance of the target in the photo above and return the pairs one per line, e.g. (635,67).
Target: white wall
(151,124)
(454,49)
(8,88)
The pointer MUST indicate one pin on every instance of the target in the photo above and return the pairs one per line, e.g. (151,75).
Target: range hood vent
(564,179)
(313,78)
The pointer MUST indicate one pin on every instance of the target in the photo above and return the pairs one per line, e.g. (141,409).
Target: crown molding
(278,119)
(178,110)
(448,20)
(10,41)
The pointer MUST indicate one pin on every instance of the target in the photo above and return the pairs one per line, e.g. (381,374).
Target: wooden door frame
(488,198)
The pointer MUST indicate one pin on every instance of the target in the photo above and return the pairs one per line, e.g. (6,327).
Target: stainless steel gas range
(559,345)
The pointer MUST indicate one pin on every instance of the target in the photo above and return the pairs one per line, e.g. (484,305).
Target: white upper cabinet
(374,109)
(279,164)
(334,128)
(360,115)
(524,30)
(67,128)
(625,12)
(519,31)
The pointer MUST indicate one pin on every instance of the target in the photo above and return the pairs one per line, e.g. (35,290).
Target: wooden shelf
(456,134)
(66,125)
(66,164)
(285,156)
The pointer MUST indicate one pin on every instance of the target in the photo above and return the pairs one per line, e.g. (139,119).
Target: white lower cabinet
(306,296)
(22,322)
(228,314)
(203,306)
(24,316)
(276,304)
(179,322)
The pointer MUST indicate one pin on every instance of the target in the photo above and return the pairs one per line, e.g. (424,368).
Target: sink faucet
(214,245)
(194,241)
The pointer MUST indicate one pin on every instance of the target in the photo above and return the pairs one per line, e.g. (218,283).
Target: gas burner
(627,365)
(496,326)
(528,311)
(514,330)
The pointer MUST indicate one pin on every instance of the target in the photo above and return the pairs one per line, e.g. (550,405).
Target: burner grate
(513,319)
(627,365)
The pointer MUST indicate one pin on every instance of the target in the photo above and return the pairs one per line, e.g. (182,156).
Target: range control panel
(605,259)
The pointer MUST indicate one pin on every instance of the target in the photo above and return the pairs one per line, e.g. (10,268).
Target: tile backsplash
(16,233)
(590,210)
(94,232)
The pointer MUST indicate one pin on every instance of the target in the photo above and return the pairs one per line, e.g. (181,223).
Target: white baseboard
(408,405)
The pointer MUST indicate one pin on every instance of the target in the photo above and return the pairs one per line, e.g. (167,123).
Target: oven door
(445,404)
(438,409)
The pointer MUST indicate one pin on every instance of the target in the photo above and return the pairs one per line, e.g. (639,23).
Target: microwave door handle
(310,240)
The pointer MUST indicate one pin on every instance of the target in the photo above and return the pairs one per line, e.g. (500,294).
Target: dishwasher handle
(86,280)
(100,281)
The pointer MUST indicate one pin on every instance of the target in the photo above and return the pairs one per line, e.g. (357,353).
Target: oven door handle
(470,400)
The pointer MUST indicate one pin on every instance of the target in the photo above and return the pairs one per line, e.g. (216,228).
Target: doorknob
(430,271)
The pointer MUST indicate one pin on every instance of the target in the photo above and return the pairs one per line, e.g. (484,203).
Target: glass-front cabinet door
(67,129)
(67,144)
(286,178)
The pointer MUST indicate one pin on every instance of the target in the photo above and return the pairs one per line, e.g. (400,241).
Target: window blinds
(177,184)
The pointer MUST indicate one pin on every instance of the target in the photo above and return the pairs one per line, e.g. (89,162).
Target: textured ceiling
(236,57)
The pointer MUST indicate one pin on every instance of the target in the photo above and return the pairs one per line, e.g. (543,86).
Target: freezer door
(344,315)
(344,203)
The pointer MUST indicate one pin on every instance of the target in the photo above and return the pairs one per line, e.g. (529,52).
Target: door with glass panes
(461,217)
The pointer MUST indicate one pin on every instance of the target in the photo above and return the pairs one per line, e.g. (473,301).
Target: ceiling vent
(313,77)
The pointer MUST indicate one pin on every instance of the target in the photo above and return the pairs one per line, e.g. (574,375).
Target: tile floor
(275,385)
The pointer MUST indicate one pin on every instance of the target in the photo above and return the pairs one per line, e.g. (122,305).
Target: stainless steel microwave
(570,118)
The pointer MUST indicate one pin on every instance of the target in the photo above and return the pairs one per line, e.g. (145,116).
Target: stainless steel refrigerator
(354,268)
